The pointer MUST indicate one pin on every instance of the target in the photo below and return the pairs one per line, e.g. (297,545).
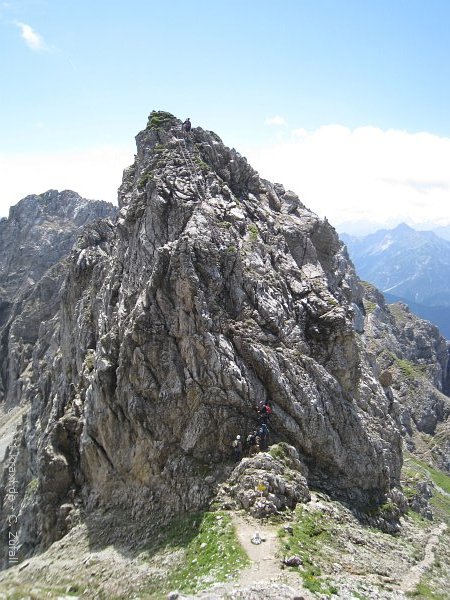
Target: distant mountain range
(408,265)
(362,229)
(443,232)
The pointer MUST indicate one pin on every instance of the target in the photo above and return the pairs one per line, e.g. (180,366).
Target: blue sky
(284,82)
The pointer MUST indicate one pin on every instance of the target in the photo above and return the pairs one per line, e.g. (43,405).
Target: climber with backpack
(251,439)
(264,411)
(237,448)
(263,433)
(256,446)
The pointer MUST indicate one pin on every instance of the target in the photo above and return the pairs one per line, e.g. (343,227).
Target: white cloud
(364,174)
(93,172)
(276,120)
(32,39)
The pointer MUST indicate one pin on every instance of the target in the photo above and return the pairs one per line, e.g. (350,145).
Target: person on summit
(187,125)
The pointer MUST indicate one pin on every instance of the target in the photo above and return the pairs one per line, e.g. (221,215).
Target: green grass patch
(201,164)
(253,232)
(280,452)
(370,306)
(440,479)
(439,501)
(441,506)
(417,518)
(224,224)
(161,119)
(32,486)
(424,591)
(437,476)
(143,180)
(309,532)
(386,510)
(409,492)
(214,554)
(210,552)
(411,370)
(277,452)
(283,453)
(315,583)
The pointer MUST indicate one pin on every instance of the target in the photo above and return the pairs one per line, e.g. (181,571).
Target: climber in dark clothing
(263,433)
(237,448)
(264,412)
(251,439)
(187,125)
(256,446)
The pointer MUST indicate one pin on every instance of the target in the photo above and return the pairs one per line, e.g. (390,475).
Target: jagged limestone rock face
(413,362)
(266,483)
(38,234)
(214,290)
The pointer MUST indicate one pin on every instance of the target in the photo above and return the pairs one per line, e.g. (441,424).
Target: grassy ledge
(210,553)
(309,531)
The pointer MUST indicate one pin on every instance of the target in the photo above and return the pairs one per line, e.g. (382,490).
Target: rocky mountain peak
(38,234)
(409,266)
(403,228)
(52,204)
(40,230)
(215,290)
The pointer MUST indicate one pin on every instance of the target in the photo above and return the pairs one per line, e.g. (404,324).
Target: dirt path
(413,576)
(266,565)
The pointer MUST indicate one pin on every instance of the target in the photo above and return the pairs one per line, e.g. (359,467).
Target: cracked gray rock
(34,241)
(412,361)
(213,290)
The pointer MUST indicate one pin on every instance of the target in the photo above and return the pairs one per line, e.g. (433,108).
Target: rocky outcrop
(267,483)
(412,361)
(38,234)
(215,289)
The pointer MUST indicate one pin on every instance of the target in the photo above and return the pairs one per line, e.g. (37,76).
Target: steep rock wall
(34,241)
(214,290)
(412,359)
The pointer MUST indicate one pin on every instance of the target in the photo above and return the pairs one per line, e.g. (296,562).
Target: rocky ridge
(214,290)
(412,360)
(34,241)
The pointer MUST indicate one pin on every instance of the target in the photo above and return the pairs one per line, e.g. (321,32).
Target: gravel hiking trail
(413,576)
(265,560)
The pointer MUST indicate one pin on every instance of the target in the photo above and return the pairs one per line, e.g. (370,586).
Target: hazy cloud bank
(93,172)
(364,174)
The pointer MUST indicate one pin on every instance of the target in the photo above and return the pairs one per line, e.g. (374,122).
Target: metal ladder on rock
(187,157)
